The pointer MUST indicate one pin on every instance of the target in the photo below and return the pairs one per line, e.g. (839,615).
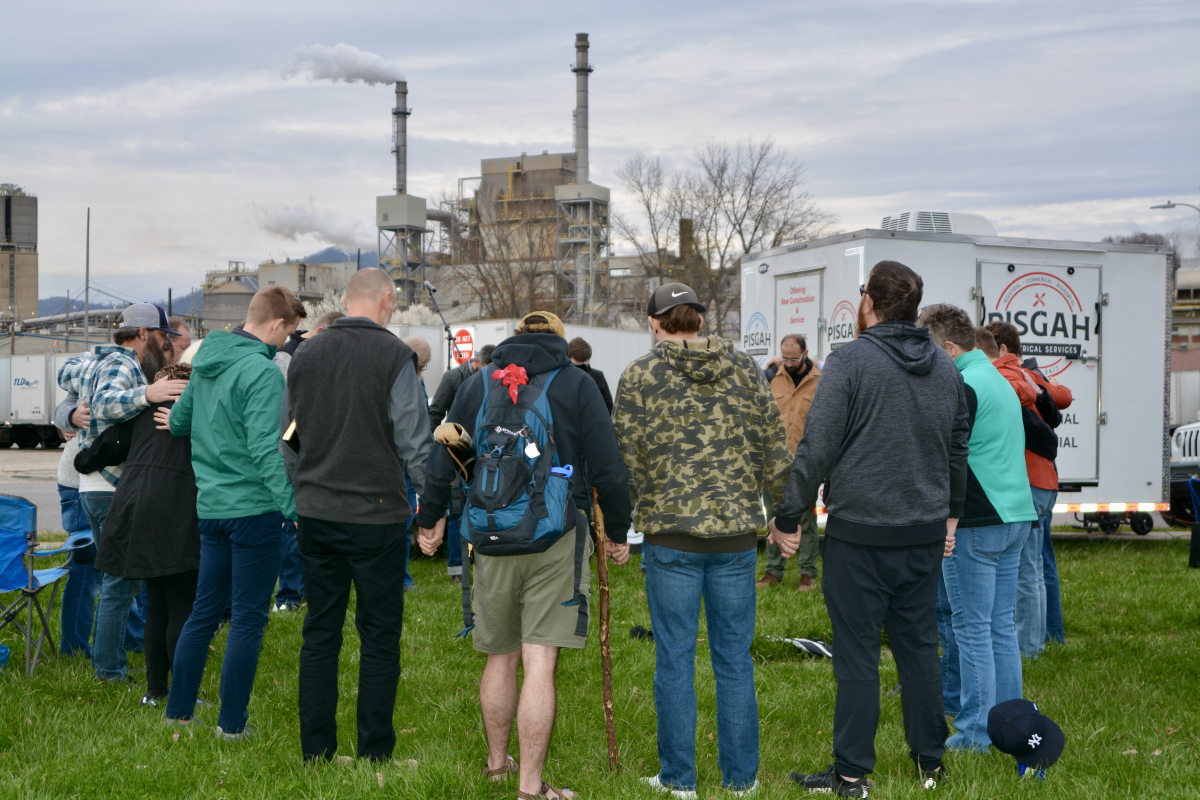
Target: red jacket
(1042,472)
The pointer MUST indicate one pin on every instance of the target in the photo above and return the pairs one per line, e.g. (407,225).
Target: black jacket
(447,390)
(888,434)
(360,417)
(583,433)
(601,384)
(152,530)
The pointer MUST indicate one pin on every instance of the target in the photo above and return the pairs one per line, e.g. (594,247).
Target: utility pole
(169,311)
(67,323)
(87,278)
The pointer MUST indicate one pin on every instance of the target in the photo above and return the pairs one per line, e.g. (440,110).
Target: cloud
(329,227)
(342,62)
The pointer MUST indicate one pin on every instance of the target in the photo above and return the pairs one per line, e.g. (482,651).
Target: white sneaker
(749,790)
(682,794)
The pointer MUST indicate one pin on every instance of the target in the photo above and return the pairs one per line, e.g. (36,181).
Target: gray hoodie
(887,433)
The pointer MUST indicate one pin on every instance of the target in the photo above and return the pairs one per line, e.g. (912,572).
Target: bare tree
(512,271)
(736,199)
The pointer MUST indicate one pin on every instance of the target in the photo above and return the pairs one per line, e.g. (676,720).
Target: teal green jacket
(997,482)
(231,410)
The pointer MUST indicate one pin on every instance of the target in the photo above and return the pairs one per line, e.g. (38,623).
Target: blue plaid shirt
(114,386)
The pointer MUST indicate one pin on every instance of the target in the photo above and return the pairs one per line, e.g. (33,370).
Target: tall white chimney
(581,70)
(400,136)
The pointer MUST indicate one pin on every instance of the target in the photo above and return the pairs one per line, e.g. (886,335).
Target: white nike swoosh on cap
(676,294)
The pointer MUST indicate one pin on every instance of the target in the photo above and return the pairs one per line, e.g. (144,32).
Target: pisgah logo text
(840,329)
(756,341)
(1047,313)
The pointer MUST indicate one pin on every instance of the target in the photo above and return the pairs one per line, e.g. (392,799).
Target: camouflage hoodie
(701,437)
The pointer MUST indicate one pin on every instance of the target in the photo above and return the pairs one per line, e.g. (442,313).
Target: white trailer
(1095,315)
(27,403)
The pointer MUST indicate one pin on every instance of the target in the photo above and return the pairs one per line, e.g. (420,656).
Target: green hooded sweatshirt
(231,410)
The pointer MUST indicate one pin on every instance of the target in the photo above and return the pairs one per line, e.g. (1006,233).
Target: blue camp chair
(18,554)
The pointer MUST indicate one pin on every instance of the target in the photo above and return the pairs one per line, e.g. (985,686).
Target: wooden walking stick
(605,648)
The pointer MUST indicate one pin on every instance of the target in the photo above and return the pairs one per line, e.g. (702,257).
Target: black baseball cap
(670,295)
(1017,727)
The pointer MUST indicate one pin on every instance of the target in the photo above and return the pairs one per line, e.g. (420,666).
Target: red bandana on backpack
(513,376)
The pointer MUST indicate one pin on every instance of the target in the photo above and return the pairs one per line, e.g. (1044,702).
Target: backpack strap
(581,534)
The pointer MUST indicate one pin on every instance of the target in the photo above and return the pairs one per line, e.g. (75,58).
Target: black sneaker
(150,700)
(930,778)
(829,782)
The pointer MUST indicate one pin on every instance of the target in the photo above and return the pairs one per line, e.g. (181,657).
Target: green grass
(1127,680)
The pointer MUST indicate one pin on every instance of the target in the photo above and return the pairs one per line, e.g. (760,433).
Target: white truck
(28,399)
(1096,316)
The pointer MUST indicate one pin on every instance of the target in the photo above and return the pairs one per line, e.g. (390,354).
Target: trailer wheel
(1109,523)
(1142,523)
(27,439)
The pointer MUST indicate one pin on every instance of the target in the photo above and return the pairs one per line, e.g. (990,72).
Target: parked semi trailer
(27,406)
(1094,315)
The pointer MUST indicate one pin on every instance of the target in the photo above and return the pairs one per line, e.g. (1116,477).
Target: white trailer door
(798,308)
(1056,308)
(28,389)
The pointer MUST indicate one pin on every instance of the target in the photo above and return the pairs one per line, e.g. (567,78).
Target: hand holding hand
(951,526)
(165,391)
(81,417)
(163,417)
(68,435)
(429,539)
(788,543)
(619,553)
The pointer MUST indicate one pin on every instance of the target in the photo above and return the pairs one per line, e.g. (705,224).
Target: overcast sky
(174,121)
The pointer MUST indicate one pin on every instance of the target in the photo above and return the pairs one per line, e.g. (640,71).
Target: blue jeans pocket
(992,540)
(666,556)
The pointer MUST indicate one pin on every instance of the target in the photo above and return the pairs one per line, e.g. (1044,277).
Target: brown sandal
(500,773)
(559,794)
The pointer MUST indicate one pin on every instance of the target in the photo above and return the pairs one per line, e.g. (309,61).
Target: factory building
(18,254)
(227,292)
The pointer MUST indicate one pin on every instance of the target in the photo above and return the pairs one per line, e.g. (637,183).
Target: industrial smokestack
(581,70)
(400,136)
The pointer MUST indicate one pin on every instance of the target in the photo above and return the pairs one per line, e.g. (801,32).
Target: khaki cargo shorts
(519,599)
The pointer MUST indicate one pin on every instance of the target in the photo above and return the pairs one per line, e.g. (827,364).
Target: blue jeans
(79,595)
(981,584)
(117,595)
(291,571)
(951,679)
(676,583)
(239,562)
(95,507)
(1054,612)
(1031,584)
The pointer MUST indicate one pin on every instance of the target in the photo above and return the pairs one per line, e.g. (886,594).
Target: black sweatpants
(373,557)
(896,590)
(168,605)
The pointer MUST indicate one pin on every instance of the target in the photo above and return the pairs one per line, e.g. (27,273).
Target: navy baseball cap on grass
(146,315)
(1017,727)
(670,295)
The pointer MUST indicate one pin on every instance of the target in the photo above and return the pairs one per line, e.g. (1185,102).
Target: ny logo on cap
(1035,740)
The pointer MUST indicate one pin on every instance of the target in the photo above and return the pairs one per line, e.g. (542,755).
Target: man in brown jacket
(794,386)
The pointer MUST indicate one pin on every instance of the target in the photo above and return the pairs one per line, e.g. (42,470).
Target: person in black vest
(291,572)
(352,447)
(152,534)
(580,353)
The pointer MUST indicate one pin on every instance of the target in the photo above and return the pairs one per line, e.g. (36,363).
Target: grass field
(1125,688)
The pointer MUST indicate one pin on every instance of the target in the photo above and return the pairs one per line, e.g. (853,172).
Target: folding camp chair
(18,554)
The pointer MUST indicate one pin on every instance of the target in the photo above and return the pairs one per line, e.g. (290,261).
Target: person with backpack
(702,439)
(538,425)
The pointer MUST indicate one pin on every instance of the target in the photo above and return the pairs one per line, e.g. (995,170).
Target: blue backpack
(519,499)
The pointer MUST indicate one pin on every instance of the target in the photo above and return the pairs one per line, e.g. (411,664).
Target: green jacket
(231,410)
(702,438)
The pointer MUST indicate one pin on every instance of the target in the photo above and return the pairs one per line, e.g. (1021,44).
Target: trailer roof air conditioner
(938,222)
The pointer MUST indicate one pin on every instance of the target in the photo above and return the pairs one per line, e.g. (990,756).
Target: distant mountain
(337,254)
(180,306)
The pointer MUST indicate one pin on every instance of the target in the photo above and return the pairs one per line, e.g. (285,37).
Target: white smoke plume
(291,222)
(342,62)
